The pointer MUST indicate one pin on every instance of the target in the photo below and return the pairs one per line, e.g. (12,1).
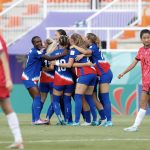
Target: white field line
(80,140)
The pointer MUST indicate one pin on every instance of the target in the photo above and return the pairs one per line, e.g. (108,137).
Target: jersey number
(62,68)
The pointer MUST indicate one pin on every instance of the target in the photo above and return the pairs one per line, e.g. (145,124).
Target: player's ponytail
(64,41)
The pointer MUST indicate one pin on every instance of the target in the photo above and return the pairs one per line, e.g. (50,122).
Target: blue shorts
(46,87)
(88,79)
(29,83)
(65,88)
(106,77)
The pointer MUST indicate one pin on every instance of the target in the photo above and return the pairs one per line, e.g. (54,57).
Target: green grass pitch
(54,137)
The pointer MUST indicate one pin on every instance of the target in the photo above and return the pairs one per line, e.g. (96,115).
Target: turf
(54,137)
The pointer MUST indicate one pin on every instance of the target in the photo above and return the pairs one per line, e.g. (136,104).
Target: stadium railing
(131,44)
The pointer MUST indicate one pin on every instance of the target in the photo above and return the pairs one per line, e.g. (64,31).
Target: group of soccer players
(69,67)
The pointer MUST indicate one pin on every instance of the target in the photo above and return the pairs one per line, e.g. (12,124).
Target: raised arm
(131,66)
(82,50)
(82,64)
(50,58)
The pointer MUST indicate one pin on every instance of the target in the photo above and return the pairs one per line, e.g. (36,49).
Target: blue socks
(78,106)
(91,103)
(87,115)
(105,100)
(56,106)
(33,114)
(67,106)
(37,106)
(50,111)
(102,114)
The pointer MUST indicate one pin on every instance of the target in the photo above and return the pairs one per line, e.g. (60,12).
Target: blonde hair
(78,40)
(94,39)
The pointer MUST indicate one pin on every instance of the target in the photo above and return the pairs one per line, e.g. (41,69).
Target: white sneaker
(40,122)
(16,146)
(86,124)
(131,129)
(103,122)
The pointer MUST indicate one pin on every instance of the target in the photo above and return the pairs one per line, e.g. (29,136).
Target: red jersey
(3,48)
(143,55)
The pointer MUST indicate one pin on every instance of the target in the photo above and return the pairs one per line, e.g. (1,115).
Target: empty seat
(32,9)
(14,21)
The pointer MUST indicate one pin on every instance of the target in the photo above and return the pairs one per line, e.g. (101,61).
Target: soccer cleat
(131,129)
(69,123)
(61,123)
(76,124)
(40,122)
(103,122)
(16,146)
(94,123)
(86,124)
(108,124)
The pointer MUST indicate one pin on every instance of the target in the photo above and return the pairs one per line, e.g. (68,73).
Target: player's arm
(51,45)
(79,57)
(89,64)
(131,66)
(82,50)
(50,58)
(65,65)
(50,68)
(4,59)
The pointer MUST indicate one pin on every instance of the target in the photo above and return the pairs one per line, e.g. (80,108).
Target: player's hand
(9,85)
(53,63)
(79,57)
(120,76)
(90,63)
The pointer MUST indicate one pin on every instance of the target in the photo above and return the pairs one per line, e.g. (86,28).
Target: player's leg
(37,105)
(104,84)
(99,106)
(67,102)
(50,110)
(86,112)
(13,123)
(57,93)
(90,101)
(141,113)
(79,92)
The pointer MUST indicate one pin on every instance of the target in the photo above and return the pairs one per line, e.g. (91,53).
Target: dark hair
(143,32)
(64,41)
(32,40)
(94,39)
(78,40)
(62,32)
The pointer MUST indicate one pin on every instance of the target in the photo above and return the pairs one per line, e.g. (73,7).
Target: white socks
(139,117)
(14,127)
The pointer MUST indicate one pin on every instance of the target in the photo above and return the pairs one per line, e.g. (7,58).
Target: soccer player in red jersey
(143,55)
(6,86)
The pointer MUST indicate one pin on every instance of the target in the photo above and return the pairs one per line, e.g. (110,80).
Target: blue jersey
(63,76)
(81,70)
(47,76)
(34,64)
(98,60)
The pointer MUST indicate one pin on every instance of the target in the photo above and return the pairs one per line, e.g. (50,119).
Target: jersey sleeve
(72,54)
(38,54)
(139,55)
(91,48)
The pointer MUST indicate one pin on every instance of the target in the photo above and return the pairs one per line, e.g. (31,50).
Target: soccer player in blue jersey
(63,82)
(31,75)
(103,70)
(85,81)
